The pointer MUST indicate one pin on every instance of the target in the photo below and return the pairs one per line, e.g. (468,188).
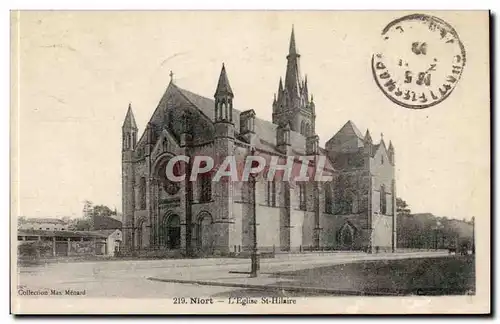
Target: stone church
(354,211)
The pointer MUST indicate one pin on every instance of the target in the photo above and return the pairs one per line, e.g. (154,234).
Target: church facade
(356,210)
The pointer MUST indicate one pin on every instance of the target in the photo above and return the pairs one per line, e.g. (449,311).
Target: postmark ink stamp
(419,62)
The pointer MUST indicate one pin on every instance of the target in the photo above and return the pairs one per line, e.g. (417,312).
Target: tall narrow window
(205,187)
(328,198)
(383,200)
(271,193)
(142,193)
(302,196)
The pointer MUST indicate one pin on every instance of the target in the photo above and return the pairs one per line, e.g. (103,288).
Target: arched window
(383,200)
(346,236)
(307,129)
(302,128)
(142,193)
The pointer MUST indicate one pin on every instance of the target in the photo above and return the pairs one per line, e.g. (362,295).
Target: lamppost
(255,260)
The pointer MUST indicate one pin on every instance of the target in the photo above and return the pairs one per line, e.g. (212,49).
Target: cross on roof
(171,76)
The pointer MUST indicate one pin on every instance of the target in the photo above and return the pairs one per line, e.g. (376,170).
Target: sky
(78,71)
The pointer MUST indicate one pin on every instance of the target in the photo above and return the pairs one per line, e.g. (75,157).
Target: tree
(20,221)
(86,223)
(102,210)
(83,224)
(402,207)
(87,209)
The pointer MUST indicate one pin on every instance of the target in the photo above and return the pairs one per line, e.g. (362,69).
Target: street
(129,278)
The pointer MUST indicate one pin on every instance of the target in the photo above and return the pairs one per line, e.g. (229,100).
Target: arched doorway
(170,235)
(204,232)
(346,236)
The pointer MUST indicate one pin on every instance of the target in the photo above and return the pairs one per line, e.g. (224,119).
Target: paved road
(128,279)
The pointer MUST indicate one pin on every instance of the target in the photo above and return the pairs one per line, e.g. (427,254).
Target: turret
(223,99)
(223,147)
(129,131)
(129,141)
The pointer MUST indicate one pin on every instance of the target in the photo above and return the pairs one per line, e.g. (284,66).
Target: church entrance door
(171,232)
(204,235)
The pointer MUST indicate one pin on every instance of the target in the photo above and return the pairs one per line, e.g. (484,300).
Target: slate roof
(106,223)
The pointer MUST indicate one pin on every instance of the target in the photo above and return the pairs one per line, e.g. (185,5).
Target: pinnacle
(223,87)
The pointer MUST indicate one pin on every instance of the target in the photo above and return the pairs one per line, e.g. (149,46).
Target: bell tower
(292,105)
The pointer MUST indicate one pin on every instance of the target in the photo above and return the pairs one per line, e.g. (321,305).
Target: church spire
(292,77)
(292,106)
(223,87)
(293,48)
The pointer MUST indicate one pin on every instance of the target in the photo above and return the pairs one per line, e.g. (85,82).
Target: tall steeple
(293,47)
(292,105)
(292,77)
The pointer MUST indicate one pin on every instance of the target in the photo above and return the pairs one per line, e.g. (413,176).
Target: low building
(64,243)
(46,224)
(113,241)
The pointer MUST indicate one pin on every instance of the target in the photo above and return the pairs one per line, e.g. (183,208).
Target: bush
(34,249)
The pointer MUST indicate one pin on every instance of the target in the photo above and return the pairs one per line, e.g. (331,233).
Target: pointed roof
(293,48)
(292,76)
(382,139)
(368,137)
(347,139)
(223,87)
(350,128)
(391,148)
(129,121)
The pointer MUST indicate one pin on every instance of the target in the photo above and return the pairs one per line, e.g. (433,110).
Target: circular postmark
(419,62)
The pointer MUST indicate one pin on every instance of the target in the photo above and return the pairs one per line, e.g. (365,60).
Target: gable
(165,143)
(347,139)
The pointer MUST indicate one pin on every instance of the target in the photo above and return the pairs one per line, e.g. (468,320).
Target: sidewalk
(237,275)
